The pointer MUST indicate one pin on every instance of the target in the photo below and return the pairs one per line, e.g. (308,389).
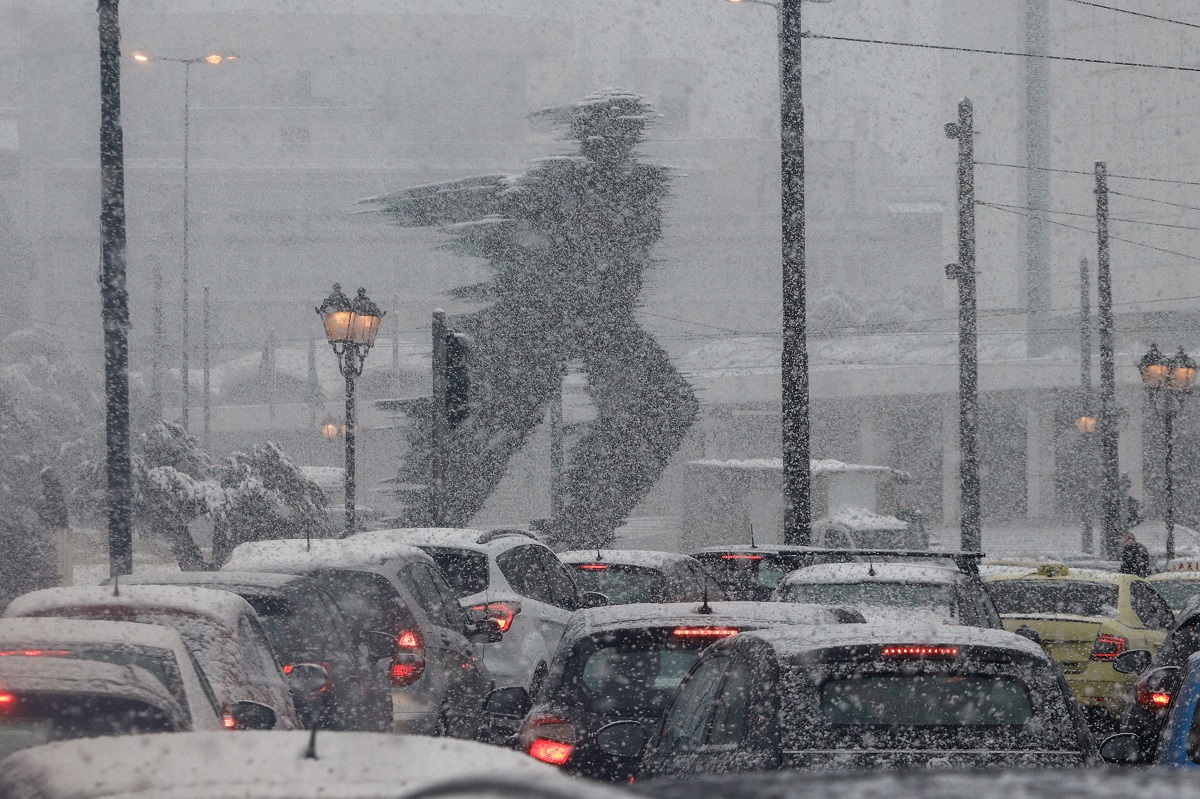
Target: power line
(1134,13)
(1076,59)
(1154,200)
(1092,174)
(1089,216)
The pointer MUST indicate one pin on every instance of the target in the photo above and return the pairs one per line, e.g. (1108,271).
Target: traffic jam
(637,668)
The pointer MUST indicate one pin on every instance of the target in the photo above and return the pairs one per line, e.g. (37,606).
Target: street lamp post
(214,59)
(1168,382)
(351,328)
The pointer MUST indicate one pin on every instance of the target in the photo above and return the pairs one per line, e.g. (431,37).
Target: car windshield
(1178,593)
(464,570)
(622,584)
(931,596)
(1073,597)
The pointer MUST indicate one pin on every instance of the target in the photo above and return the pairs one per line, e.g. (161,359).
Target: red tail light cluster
(741,557)
(229,722)
(1107,647)
(553,752)
(1152,698)
(35,653)
(6,700)
(550,740)
(704,632)
(593,567)
(918,651)
(502,612)
(409,663)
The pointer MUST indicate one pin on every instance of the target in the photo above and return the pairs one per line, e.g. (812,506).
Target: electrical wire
(1153,200)
(1088,216)
(949,48)
(1134,13)
(1091,174)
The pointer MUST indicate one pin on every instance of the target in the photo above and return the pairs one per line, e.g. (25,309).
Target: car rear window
(1058,596)
(30,720)
(465,571)
(739,571)
(955,700)
(622,584)
(875,594)
(1177,592)
(296,625)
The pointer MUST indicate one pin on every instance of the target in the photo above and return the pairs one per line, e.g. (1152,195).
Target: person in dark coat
(1135,558)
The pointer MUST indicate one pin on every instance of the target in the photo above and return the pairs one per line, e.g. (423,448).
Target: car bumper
(414,713)
(1099,686)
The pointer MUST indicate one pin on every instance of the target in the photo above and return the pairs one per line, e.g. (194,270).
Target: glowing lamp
(336,313)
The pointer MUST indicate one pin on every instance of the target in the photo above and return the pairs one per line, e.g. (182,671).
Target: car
(625,662)
(58,698)
(156,649)
(753,572)
(1179,584)
(1085,618)
(438,684)
(893,590)
(1175,742)
(344,765)
(303,624)
(219,628)
(866,696)
(509,576)
(640,575)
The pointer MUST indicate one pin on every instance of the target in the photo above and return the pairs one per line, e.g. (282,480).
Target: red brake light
(553,752)
(408,640)
(502,612)
(1151,699)
(7,699)
(409,663)
(593,567)
(704,632)
(35,653)
(913,651)
(741,557)
(229,722)
(1107,647)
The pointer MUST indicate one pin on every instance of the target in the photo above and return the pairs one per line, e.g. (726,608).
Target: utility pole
(441,423)
(114,299)
(556,453)
(207,373)
(1109,459)
(185,277)
(1037,179)
(1085,383)
(968,373)
(794,362)
(156,372)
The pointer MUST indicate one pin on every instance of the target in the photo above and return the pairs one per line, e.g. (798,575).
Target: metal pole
(441,424)
(350,454)
(794,361)
(185,278)
(1169,435)
(207,373)
(1111,477)
(1085,382)
(156,376)
(1037,179)
(968,378)
(556,453)
(114,299)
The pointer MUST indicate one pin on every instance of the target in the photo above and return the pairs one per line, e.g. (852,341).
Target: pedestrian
(1135,558)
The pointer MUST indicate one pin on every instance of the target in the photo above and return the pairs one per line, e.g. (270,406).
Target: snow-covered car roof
(459,537)
(47,631)
(199,765)
(49,674)
(297,556)
(684,614)
(649,558)
(1082,575)
(863,519)
(838,573)
(221,580)
(218,605)
(1174,575)
(790,642)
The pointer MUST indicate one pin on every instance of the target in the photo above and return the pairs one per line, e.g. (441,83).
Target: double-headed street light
(351,328)
(1168,382)
(213,59)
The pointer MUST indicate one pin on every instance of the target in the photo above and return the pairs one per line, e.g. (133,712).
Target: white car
(156,649)
(509,576)
(220,628)
(894,592)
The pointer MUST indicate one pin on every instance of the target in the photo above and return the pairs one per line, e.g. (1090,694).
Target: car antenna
(871,571)
(598,555)
(116,584)
(752,536)
(705,608)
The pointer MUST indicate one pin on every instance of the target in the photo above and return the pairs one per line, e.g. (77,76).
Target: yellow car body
(1083,643)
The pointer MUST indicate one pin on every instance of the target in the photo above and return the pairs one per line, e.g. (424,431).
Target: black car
(304,625)
(1159,679)
(627,576)
(624,662)
(864,696)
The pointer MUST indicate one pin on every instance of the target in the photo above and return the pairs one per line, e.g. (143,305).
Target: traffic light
(458,378)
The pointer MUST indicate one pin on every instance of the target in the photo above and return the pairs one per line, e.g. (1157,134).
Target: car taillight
(1152,698)
(1107,647)
(553,752)
(551,740)
(35,653)
(409,663)
(593,567)
(6,700)
(741,557)
(502,612)
(229,722)
(919,651)
(704,632)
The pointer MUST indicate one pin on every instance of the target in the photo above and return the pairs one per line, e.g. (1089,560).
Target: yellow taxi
(1085,618)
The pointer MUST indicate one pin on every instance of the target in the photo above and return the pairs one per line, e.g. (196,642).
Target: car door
(565,596)
(525,570)
(685,727)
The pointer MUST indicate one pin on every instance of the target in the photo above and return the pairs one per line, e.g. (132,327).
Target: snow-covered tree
(569,244)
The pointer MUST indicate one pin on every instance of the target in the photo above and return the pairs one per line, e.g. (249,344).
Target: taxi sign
(1184,566)
(1053,570)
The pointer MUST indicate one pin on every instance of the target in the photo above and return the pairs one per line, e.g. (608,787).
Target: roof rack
(489,536)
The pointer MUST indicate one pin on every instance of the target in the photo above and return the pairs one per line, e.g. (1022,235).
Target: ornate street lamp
(1169,381)
(351,328)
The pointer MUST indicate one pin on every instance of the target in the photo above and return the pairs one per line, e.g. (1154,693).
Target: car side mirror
(1122,749)
(1133,661)
(381,646)
(593,599)
(622,738)
(306,678)
(508,703)
(484,631)
(246,715)
(1025,631)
